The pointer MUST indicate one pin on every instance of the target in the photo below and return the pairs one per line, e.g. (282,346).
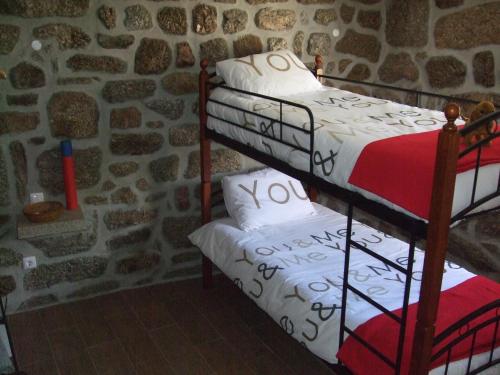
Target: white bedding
(344,123)
(303,293)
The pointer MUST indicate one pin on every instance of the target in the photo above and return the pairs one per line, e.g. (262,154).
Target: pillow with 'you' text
(276,73)
(265,197)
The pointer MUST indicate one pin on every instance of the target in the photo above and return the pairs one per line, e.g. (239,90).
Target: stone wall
(119,78)
(449,46)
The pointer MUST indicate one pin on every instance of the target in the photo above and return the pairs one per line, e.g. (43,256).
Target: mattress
(293,271)
(344,123)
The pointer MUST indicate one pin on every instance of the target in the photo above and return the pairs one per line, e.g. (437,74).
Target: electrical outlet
(29,262)
(36,197)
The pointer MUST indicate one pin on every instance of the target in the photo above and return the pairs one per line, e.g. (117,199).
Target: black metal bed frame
(416,228)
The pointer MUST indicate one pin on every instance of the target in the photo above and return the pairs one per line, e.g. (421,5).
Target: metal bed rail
(469,327)
(491,124)
(347,287)
(417,93)
(264,130)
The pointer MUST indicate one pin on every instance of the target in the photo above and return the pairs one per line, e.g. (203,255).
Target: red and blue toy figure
(69,175)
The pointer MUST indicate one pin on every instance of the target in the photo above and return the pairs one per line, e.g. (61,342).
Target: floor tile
(142,350)
(126,326)
(160,367)
(26,325)
(223,359)
(32,350)
(267,363)
(291,352)
(110,358)
(193,323)
(41,368)
(95,331)
(80,365)
(66,343)
(180,353)
(153,312)
(57,317)
(111,304)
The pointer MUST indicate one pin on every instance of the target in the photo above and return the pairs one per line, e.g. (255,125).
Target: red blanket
(382,332)
(401,169)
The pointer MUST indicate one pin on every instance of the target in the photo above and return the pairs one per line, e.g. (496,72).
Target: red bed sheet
(382,332)
(401,169)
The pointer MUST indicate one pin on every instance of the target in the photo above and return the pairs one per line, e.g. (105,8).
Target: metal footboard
(467,329)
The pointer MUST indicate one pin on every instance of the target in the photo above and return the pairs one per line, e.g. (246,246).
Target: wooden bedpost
(437,241)
(312,193)
(205,167)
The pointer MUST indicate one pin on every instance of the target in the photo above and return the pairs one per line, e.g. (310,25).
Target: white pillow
(276,73)
(265,197)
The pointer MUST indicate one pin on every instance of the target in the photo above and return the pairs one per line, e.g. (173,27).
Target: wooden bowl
(43,212)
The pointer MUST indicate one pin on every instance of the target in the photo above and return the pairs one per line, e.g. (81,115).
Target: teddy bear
(481,109)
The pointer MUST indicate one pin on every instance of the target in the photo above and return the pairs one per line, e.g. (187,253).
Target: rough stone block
(123,169)
(135,144)
(247,45)
(171,109)
(73,115)
(26,76)
(122,219)
(44,8)
(67,36)
(165,169)
(125,118)
(18,122)
(91,63)
(173,20)
(132,238)
(214,50)
(180,83)
(152,57)
(122,41)
(204,19)
(223,160)
(137,17)
(73,270)
(9,35)
(234,20)
(275,19)
(132,89)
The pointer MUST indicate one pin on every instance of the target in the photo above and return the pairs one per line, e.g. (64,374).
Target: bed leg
(437,242)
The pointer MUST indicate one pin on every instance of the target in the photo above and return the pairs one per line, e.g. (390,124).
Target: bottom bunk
(294,272)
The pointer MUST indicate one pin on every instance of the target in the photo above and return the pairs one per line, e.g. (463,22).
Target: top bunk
(376,153)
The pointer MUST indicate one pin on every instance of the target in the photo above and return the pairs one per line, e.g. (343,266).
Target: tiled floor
(175,328)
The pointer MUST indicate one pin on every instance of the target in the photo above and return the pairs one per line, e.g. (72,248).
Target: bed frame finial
(318,66)
(204,64)
(452,112)
(318,60)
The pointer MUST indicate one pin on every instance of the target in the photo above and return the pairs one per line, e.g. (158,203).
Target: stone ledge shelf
(69,221)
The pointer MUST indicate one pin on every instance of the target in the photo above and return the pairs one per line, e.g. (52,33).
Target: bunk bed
(426,346)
